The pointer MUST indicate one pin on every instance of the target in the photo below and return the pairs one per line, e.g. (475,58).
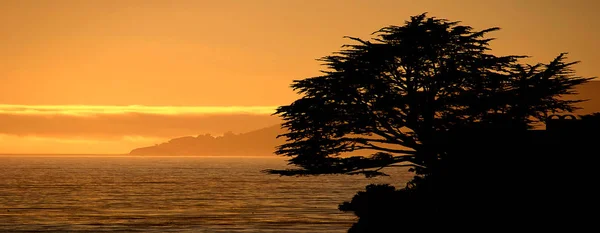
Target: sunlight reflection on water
(171,194)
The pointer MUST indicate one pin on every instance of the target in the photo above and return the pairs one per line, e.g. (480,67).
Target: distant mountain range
(259,142)
(263,141)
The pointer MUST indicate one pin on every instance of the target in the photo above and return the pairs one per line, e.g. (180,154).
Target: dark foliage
(391,95)
(428,94)
(494,179)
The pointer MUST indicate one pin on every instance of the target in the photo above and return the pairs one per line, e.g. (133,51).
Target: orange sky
(222,53)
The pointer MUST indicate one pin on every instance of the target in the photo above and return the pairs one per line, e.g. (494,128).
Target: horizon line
(62,154)
(82,154)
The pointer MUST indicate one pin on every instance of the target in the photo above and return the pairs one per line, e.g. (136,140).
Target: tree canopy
(386,98)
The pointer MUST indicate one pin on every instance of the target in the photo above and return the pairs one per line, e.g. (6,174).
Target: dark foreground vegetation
(495,179)
(430,95)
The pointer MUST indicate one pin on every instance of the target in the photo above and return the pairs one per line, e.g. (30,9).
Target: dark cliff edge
(260,142)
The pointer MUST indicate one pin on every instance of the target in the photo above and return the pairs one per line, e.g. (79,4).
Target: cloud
(119,121)
(92,110)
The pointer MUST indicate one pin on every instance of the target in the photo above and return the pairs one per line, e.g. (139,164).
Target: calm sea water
(171,194)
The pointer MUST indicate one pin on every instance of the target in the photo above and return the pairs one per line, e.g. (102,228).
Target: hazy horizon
(104,77)
(116,130)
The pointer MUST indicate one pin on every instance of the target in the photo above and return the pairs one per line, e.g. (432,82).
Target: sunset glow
(13,144)
(108,76)
(118,129)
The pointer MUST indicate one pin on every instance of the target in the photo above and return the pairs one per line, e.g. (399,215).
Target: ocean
(90,193)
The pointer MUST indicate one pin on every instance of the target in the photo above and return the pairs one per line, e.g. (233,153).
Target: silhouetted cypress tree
(391,96)
(393,93)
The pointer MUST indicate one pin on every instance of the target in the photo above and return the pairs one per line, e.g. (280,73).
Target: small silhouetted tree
(389,97)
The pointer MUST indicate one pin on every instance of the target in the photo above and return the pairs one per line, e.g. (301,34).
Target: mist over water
(178,194)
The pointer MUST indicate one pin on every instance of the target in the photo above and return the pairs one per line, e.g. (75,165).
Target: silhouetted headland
(257,143)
